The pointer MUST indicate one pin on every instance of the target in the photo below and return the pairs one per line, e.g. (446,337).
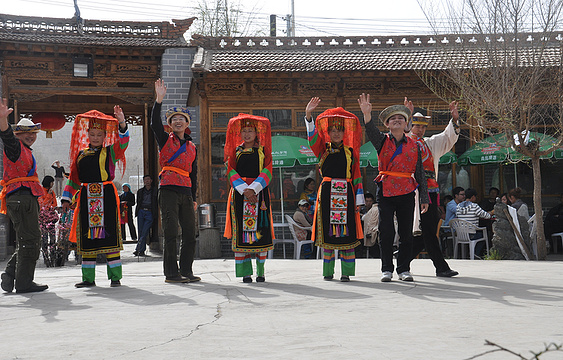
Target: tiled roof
(357,54)
(93,33)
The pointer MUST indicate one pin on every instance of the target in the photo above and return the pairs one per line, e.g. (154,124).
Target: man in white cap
(400,173)
(432,149)
(20,190)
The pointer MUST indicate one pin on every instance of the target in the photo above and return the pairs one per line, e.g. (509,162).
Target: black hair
(494,188)
(369,195)
(307,182)
(147,176)
(470,192)
(47,181)
(457,190)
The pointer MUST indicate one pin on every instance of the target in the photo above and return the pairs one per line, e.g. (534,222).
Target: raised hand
(312,105)
(118,112)
(454,111)
(160,90)
(409,104)
(365,106)
(4,112)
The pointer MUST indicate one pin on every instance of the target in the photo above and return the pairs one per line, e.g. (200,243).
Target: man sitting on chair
(470,211)
(302,218)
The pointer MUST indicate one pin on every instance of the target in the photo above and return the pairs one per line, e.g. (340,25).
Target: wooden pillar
(204,152)
(146,129)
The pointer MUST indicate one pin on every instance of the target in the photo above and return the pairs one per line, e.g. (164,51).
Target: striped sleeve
(73,183)
(314,138)
(357,182)
(117,150)
(234,178)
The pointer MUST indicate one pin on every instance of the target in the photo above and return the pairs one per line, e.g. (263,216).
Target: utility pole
(291,21)
(273,30)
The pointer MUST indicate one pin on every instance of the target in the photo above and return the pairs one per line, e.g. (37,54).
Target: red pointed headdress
(263,132)
(93,119)
(342,119)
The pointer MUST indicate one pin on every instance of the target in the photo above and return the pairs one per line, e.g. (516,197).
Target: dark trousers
(429,240)
(177,208)
(144,222)
(131,225)
(403,207)
(23,210)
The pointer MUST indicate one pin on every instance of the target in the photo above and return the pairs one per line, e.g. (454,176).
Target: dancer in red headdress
(96,146)
(336,141)
(248,155)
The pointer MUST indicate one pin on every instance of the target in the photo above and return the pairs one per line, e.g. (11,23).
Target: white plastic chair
(296,243)
(461,235)
(555,241)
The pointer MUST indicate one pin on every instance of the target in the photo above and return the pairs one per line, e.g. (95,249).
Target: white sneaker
(405,276)
(386,276)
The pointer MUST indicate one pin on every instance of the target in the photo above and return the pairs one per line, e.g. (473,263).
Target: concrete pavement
(294,314)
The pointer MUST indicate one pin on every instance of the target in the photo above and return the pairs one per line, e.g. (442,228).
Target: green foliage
(493,254)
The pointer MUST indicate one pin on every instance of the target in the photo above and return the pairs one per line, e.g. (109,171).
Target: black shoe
(85,284)
(142,253)
(136,253)
(177,279)
(448,273)
(115,283)
(247,279)
(7,282)
(260,279)
(344,278)
(328,278)
(33,288)
(191,277)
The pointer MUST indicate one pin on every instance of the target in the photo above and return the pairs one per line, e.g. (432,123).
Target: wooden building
(68,67)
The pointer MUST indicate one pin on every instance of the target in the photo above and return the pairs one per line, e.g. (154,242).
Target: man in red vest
(400,173)
(178,182)
(20,190)
(432,148)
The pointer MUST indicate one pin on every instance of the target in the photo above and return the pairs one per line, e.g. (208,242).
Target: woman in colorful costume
(96,147)
(336,141)
(248,156)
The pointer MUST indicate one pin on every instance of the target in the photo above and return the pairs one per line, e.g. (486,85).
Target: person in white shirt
(470,211)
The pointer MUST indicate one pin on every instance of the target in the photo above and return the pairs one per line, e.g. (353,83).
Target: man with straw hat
(20,190)
(178,185)
(400,173)
(432,149)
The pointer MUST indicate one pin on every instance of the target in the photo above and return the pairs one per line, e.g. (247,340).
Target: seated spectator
(302,218)
(459,196)
(504,199)
(515,198)
(554,221)
(470,211)
(310,194)
(442,207)
(369,199)
(488,204)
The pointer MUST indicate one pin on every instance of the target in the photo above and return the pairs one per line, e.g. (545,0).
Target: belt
(145,208)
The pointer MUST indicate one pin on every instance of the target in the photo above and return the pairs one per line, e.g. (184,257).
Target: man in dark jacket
(146,212)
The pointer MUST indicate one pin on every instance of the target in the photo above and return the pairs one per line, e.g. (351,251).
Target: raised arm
(119,147)
(315,142)
(5,111)
(374,135)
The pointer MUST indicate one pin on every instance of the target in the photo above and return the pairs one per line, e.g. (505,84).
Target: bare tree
(225,18)
(508,73)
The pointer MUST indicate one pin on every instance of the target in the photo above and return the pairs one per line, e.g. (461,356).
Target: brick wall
(176,72)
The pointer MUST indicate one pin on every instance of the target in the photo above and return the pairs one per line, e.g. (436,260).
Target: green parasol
(288,149)
(493,150)
(448,158)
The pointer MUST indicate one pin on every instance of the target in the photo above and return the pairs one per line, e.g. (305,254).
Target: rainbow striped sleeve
(118,149)
(357,183)
(266,174)
(73,183)
(315,142)
(234,178)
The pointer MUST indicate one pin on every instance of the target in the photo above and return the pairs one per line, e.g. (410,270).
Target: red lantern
(50,121)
